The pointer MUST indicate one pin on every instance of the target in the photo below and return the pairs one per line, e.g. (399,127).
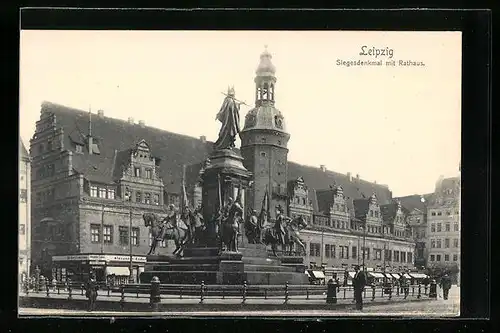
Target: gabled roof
(116,137)
(114,134)
(23,153)
(389,211)
(411,202)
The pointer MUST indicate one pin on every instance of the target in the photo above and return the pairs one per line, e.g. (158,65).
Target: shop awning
(418,275)
(396,275)
(407,276)
(318,274)
(376,275)
(352,274)
(307,273)
(118,271)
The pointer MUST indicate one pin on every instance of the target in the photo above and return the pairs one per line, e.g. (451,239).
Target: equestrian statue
(284,232)
(170,227)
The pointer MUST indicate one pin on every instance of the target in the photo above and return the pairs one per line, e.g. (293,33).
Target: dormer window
(137,172)
(102,193)
(79,148)
(149,173)
(111,193)
(93,191)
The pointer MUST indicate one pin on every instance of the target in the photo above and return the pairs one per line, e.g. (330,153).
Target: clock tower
(264,142)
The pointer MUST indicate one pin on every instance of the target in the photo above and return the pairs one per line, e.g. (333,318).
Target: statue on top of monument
(229,116)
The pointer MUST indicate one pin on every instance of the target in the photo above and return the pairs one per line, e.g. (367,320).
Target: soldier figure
(252,229)
(279,225)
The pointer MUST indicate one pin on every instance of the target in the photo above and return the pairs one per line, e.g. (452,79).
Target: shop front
(109,268)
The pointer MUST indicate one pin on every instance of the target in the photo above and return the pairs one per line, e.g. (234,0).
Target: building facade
(93,178)
(24,212)
(443,219)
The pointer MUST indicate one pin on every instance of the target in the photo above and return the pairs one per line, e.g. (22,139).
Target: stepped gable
(112,135)
(116,137)
(353,189)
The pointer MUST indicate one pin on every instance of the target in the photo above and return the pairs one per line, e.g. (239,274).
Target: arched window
(265,93)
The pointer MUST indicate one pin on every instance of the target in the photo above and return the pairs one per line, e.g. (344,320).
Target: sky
(396,125)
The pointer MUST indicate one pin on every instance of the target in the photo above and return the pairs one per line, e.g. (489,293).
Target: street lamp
(364,239)
(130,277)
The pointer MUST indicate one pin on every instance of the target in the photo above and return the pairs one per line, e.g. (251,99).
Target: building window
(388,254)
(156,199)
(438,257)
(433,213)
(447,227)
(147,198)
(433,227)
(448,213)
(433,244)
(111,193)
(123,235)
(22,229)
(149,173)
(455,257)
(137,172)
(455,242)
(102,193)
(446,257)
(455,226)
(376,213)
(93,191)
(95,235)
(163,243)
(135,236)
(438,243)
(314,249)
(354,252)
(108,234)
(366,253)
(327,250)
(403,256)
(138,196)
(439,227)
(432,257)
(446,243)
(378,254)
(79,149)
(150,239)
(344,252)
(410,257)
(440,213)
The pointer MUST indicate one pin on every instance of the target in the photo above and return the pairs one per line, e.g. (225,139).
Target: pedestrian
(91,291)
(359,283)
(445,284)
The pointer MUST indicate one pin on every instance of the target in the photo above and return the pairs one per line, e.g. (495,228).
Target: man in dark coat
(359,283)
(445,284)
(91,291)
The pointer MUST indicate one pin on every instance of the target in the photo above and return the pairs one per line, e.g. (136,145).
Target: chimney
(142,123)
(130,120)
(322,167)
(100,113)
(349,176)
(203,138)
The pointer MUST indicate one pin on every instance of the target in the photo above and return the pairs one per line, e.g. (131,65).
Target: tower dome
(266,67)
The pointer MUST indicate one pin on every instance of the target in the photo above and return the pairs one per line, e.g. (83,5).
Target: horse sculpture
(291,236)
(171,230)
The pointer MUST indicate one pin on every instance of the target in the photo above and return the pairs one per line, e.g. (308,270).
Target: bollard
(122,298)
(344,292)
(390,292)
(425,290)
(433,289)
(109,290)
(47,289)
(419,295)
(373,293)
(244,292)
(286,292)
(69,291)
(331,292)
(265,293)
(307,293)
(202,292)
(412,290)
(82,287)
(154,294)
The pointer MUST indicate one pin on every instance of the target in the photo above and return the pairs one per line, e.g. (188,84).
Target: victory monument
(225,241)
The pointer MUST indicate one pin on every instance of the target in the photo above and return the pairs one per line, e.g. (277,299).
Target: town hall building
(93,177)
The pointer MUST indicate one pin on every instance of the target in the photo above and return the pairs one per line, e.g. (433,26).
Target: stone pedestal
(205,262)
